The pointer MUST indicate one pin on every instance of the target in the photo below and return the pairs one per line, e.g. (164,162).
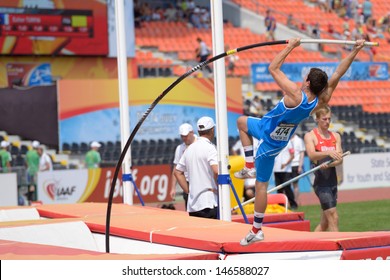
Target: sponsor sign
(93,185)
(29,74)
(296,72)
(366,171)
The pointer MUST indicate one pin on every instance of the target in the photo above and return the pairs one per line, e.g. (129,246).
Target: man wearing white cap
(32,162)
(187,135)
(5,157)
(200,161)
(92,157)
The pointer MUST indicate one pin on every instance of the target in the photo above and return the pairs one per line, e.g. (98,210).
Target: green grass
(354,216)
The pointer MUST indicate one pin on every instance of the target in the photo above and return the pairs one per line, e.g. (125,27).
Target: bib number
(282,132)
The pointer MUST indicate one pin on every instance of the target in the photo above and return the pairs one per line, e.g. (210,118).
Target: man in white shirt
(200,161)
(45,163)
(187,135)
(297,163)
(282,172)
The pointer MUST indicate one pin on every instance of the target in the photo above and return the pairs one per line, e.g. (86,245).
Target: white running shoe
(251,238)
(245,173)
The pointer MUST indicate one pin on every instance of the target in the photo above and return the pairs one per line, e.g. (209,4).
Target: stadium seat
(278,198)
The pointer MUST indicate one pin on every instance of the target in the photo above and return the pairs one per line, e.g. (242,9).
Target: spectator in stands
(366,10)
(357,32)
(346,24)
(347,36)
(371,51)
(157,14)
(146,12)
(256,109)
(200,161)
(352,9)
(246,106)
(297,163)
(283,171)
(277,126)
(188,137)
(182,11)
(45,160)
(291,22)
(191,6)
(32,162)
(92,157)
(170,13)
(330,28)
(205,18)
(322,145)
(332,31)
(5,157)
(270,25)
(231,63)
(316,31)
(324,6)
(195,18)
(137,14)
(202,53)
(303,28)
(384,23)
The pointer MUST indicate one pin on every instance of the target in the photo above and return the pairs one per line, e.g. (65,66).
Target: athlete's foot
(251,237)
(245,173)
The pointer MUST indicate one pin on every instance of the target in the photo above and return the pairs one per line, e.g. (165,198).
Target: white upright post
(221,110)
(123,99)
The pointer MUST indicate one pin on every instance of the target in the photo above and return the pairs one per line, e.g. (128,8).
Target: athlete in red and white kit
(321,144)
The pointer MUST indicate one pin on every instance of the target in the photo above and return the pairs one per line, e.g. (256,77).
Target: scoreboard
(46,22)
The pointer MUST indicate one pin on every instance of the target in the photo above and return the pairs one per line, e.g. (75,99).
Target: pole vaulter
(175,83)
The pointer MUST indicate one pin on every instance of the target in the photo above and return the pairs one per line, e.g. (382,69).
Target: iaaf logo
(57,192)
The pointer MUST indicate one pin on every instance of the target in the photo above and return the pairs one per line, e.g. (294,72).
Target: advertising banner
(93,185)
(95,115)
(69,67)
(366,171)
(296,72)
(29,74)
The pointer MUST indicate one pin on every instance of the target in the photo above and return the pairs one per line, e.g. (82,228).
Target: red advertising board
(152,182)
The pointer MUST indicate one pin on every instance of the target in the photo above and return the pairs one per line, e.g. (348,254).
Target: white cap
(205,123)
(35,144)
(185,128)
(4,144)
(95,144)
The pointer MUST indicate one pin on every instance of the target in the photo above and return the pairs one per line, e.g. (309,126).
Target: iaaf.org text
(156,185)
